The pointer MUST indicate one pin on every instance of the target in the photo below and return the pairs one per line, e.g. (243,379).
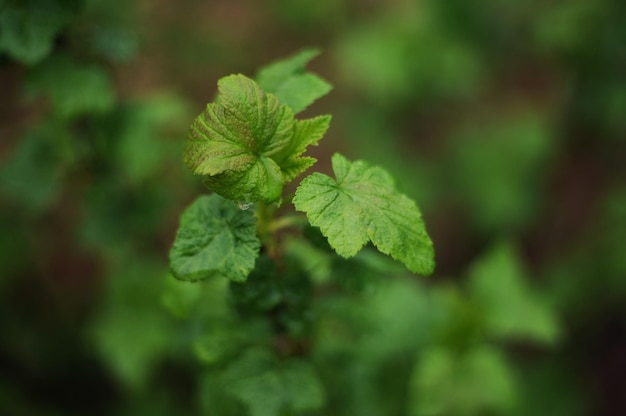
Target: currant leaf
(289,81)
(362,205)
(215,238)
(247,144)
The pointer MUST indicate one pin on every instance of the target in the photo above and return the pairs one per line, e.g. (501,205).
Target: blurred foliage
(504,120)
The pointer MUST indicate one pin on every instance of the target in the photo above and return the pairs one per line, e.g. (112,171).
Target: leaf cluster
(246,146)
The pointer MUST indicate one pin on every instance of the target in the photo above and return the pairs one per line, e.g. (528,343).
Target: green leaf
(478,381)
(180,299)
(247,144)
(511,310)
(306,132)
(315,262)
(499,166)
(32,175)
(234,140)
(363,205)
(147,125)
(268,387)
(215,238)
(28,29)
(132,348)
(289,81)
(73,89)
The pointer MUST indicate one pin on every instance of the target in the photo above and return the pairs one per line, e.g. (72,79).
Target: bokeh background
(504,120)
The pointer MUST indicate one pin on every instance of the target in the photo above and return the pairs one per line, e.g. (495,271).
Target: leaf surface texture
(362,205)
(215,238)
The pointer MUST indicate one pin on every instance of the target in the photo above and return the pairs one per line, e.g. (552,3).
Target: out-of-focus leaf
(114,43)
(116,216)
(497,166)
(73,89)
(181,299)
(32,174)
(145,126)
(403,317)
(510,308)
(268,387)
(131,330)
(310,16)
(472,383)
(399,57)
(569,26)
(261,292)
(314,261)
(28,28)
(221,340)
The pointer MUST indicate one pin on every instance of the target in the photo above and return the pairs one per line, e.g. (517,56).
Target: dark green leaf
(32,175)
(268,387)
(215,238)
(28,28)
(73,89)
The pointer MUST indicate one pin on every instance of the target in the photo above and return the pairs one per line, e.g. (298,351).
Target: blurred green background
(504,120)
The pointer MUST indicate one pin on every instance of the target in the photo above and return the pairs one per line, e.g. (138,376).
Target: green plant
(247,146)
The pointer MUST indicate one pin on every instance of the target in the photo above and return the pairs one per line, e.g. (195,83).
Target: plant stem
(265,214)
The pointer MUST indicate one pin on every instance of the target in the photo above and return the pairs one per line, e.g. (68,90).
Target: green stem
(265,214)
(267,226)
(287,221)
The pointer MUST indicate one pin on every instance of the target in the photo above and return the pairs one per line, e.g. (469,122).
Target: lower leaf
(215,238)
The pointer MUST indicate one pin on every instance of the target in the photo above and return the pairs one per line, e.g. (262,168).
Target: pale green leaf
(289,81)
(215,238)
(363,205)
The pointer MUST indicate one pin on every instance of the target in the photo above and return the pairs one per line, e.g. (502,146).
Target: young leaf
(247,144)
(215,238)
(306,132)
(289,81)
(363,205)
(234,139)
